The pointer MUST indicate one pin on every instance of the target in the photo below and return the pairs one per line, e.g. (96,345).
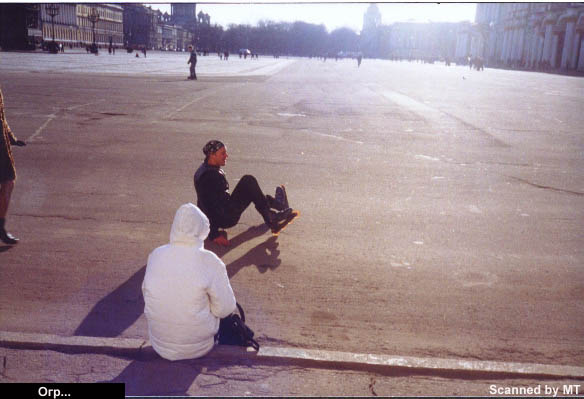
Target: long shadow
(120,309)
(117,311)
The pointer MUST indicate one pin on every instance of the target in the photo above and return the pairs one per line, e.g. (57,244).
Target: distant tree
(283,38)
(343,39)
(308,39)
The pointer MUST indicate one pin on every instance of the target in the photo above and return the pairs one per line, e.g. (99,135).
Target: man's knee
(249,179)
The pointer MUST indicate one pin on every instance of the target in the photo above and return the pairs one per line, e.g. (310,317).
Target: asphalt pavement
(439,251)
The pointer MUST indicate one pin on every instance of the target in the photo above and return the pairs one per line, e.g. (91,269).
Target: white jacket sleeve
(221,298)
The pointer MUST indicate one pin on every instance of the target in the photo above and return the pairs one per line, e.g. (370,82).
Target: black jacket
(212,196)
(193,58)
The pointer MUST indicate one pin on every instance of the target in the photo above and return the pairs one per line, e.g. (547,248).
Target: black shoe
(275,204)
(281,196)
(8,238)
(281,225)
(276,217)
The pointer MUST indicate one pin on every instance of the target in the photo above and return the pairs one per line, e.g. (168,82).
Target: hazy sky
(332,14)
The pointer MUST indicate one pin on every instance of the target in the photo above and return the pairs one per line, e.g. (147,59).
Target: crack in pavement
(560,190)
(90,218)
(54,115)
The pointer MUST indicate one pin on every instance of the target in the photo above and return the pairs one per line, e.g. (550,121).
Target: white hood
(186,290)
(190,226)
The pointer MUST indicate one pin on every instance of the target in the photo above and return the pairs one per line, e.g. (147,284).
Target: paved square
(441,207)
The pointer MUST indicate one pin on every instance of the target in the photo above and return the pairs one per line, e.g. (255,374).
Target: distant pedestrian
(7,172)
(193,62)
(359,58)
(144,51)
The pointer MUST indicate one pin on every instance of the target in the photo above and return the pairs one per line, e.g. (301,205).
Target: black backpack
(233,331)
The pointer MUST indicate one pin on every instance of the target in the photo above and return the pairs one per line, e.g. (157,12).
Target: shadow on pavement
(120,309)
(159,377)
(249,234)
(112,315)
(264,257)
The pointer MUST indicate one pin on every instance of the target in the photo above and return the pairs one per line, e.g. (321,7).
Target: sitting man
(224,209)
(186,290)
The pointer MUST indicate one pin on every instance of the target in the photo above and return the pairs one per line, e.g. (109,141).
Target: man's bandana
(212,147)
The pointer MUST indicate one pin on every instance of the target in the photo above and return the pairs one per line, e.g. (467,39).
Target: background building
(543,36)
(65,24)
(424,41)
(138,26)
(20,26)
(31,26)
(184,15)
(109,30)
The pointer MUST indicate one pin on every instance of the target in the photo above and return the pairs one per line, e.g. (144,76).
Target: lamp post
(53,11)
(93,18)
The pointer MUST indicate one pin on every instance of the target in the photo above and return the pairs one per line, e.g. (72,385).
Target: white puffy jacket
(186,290)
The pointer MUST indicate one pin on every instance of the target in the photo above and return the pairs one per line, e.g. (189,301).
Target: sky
(333,15)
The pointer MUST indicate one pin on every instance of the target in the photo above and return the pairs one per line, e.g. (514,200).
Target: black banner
(62,391)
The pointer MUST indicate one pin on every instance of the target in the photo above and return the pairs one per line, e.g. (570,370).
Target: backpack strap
(241,313)
(254,344)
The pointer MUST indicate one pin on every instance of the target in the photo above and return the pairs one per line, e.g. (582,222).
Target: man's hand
(20,143)
(222,240)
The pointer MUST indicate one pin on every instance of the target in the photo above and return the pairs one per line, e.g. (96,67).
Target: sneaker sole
(293,216)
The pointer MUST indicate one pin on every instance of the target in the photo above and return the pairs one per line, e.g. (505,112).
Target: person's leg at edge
(6,188)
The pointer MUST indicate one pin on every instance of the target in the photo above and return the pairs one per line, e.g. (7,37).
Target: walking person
(186,290)
(7,172)
(224,209)
(193,61)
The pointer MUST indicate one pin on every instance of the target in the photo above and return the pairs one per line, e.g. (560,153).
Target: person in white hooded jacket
(186,290)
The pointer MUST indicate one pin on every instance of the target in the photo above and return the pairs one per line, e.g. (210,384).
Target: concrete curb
(395,365)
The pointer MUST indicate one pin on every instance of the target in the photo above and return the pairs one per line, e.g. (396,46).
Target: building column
(579,44)
(500,45)
(505,46)
(568,53)
(529,48)
(523,46)
(555,49)
(547,44)
(509,47)
(580,66)
(492,56)
(516,45)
